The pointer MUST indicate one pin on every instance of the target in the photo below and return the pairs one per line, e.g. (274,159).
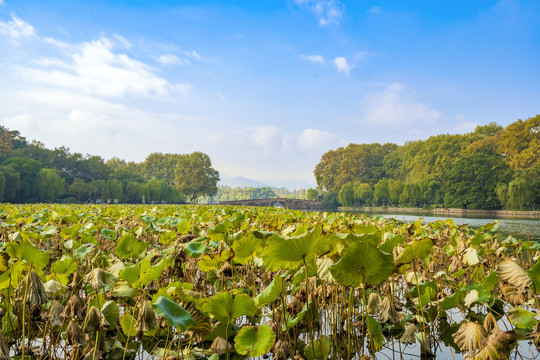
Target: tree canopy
(489,168)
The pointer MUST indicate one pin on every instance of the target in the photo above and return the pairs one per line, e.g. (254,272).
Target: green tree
(312,194)
(28,170)
(114,190)
(381,192)
(330,201)
(471,183)
(346,195)
(11,184)
(363,193)
(395,188)
(195,176)
(520,143)
(80,190)
(50,184)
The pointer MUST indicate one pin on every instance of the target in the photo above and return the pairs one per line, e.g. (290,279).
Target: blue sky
(263,87)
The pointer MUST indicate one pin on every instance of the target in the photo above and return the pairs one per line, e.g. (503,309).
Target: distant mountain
(240,181)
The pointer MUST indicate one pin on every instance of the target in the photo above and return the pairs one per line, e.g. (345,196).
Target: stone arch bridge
(294,204)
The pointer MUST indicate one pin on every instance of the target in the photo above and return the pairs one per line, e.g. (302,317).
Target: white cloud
(327,11)
(1,2)
(374,10)
(96,68)
(396,108)
(169,59)
(313,58)
(313,139)
(16,29)
(342,65)
(194,54)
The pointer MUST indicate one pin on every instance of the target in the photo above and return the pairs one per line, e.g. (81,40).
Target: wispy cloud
(327,11)
(169,59)
(313,58)
(16,29)
(397,108)
(95,68)
(342,65)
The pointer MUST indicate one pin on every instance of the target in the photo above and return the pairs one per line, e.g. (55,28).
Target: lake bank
(496,214)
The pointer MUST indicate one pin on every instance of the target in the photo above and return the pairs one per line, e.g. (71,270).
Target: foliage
(201,279)
(194,175)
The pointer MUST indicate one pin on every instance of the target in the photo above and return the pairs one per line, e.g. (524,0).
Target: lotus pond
(209,282)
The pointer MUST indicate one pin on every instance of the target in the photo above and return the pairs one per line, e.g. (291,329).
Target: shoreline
(502,214)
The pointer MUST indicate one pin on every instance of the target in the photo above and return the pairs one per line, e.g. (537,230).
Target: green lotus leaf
(289,253)
(491,280)
(108,234)
(128,247)
(534,274)
(418,249)
(66,265)
(26,251)
(83,251)
(112,313)
(225,308)
(175,314)
(318,349)
(362,263)
(130,274)
(124,291)
(375,333)
(246,248)
(254,341)
(154,272)
(128,325)
(270,293)
(452,301)
(522,318)
(195,248)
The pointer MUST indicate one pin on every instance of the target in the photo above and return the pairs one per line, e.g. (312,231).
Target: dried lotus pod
(220,346)
(55,314)
(95,321)
(74,335)
(374,303)
(32,287)
(73,309)
(281,350)
(470,336)
(147,319)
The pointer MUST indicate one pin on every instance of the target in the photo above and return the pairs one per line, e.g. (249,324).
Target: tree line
(29,172)
(493,167)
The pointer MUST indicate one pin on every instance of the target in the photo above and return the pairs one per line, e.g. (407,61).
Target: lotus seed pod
(73,309)
(31,287)
(374,303)
(55,314)
(74,335)
(147,319)
(95,321)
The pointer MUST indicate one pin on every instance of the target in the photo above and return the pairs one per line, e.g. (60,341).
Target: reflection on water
(518,228)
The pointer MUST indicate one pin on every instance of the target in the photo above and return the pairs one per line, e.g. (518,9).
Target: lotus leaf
(175,314)
(362,263)
(254,341)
